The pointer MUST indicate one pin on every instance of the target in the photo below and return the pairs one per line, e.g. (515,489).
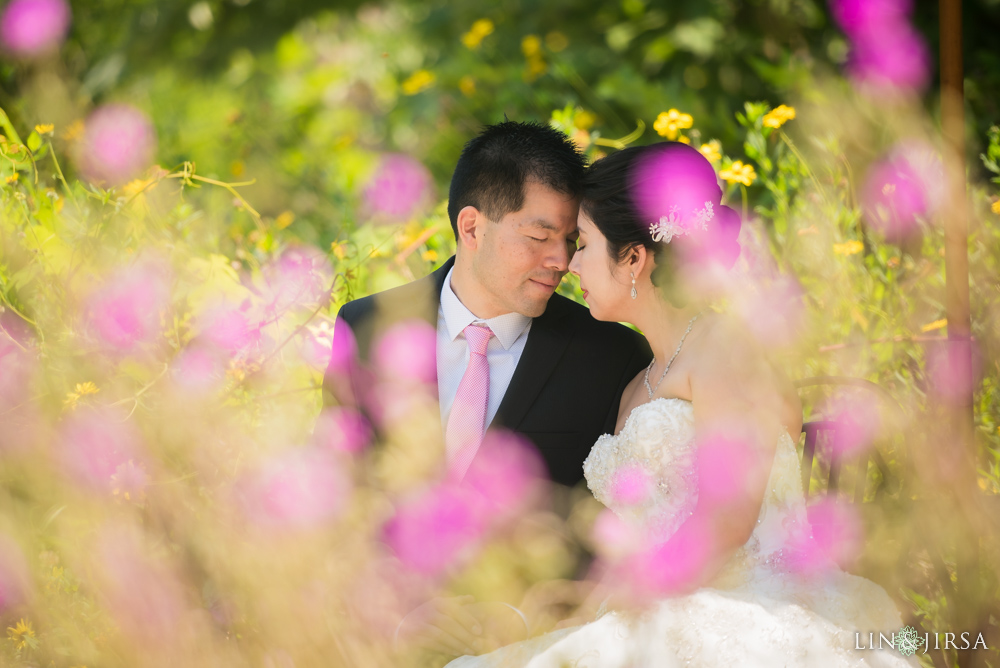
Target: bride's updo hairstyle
(665,197)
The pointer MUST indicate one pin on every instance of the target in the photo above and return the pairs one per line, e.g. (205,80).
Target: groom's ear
(469,218)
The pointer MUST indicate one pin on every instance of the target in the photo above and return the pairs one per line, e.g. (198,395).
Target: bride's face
(606,284)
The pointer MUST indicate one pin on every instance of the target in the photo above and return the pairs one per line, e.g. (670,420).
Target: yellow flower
(937,324)
(581,138)
(556,41)
(996,207)
(739,173)
(851,247)
(22,635)
(284,219)
(339,249)
(778,116)
(480,29)
(134,187)
(429,255)
(467,85)
(13,177)
(531,45)
(669,123)
(83,389)
(237,168)
(584,119)
(712,150)
(535,68)
(418,81)
(45,129)
(73,131)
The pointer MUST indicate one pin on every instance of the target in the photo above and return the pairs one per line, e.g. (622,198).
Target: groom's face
(524,255)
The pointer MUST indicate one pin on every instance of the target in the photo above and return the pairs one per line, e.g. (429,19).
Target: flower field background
(189,192)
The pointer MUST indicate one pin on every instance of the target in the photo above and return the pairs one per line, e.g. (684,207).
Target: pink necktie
(467,420)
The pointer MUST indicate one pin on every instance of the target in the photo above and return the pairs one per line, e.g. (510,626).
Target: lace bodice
(646,476)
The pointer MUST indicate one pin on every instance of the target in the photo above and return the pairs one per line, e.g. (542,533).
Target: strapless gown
(756,612)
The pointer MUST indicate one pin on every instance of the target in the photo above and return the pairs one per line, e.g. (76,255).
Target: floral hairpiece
(670,226)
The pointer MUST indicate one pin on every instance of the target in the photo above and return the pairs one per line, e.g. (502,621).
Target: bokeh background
(191,190)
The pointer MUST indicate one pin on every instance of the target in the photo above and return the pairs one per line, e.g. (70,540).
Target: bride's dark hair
(609,201)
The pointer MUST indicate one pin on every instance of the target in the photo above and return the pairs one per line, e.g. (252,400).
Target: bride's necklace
(645,379)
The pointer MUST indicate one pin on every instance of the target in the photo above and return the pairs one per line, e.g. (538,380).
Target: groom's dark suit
(566,388)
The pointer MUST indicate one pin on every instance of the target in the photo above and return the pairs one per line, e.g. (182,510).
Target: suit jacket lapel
(547,341)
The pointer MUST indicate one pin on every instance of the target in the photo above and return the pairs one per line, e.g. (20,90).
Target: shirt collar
(507,327)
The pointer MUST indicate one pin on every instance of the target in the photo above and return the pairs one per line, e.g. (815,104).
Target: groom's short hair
(493,168)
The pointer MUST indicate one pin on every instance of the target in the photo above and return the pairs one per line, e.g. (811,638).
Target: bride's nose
(574,264)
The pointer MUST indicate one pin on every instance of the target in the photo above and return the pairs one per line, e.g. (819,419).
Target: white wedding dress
(755,613)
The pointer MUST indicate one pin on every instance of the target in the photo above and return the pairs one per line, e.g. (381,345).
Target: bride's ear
(636,259)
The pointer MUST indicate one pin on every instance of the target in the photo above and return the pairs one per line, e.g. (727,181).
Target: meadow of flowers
(174,490)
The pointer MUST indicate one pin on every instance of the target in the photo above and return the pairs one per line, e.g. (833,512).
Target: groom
(510,352)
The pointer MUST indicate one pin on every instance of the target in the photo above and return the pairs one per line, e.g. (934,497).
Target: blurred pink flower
(954,370)
(863,17)
(897,193)
(129,481)
(93,443)
(834,536)
(858,422)
(118,143)
(295,490)
(229,327)
(32,27)
(342,430)
(14,575)
(614,538)
(125,310)
(143,594)
(671,566)
(772,311)
(198,369)
(408,351)
(344,349)
(676,181)
(724,467)
(507,474)
(631,485)
(436,529)
(301,276)
(399,188)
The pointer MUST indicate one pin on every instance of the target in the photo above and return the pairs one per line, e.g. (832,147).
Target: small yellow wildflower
(584,119)
(429,255)
(73,131)
(13,177)
(419,81)
(739,173)
(851,247)
(45,128)
(556,41)
(480,29)
(531,45)
(712,150)
(237,168)
(669,123)
(467,85)
(134,187)
(22,635)
(284,219)
(535,68)
(996,207)
(778,116)
(937,324)
(83,389)
(339,249)
(684,140)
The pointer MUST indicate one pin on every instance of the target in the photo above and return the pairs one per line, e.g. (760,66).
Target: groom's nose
(558,257)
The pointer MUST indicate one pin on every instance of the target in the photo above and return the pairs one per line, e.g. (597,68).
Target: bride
(701,471)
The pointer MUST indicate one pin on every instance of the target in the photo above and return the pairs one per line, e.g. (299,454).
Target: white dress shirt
(510,332)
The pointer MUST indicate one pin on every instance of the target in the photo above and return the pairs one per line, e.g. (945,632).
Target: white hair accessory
(670,226)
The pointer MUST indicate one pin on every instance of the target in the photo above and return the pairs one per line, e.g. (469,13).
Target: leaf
(34,141)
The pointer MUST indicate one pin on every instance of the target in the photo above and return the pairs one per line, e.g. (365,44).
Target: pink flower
(399,188)
(295,490)
(614,538)
(342,430)
(864,17)
(834,536)
(198,369)
(31,27)
(672,566)
(507,474)
(677,182)
(773,311)
(143,594)
(437,529)
(300,277)
(408,351)
(954,370)
(894,58)
(125,310)
(229,327)
(14,580)
(631,485)
(93,443)
(858,422)
(901,189)
(344,349)
(118,143)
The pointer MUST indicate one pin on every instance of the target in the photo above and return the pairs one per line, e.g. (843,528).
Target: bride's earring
(634,293)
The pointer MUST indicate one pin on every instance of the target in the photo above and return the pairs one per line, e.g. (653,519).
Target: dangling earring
(634,293)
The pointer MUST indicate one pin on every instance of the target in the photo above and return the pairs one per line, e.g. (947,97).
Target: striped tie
(467,420)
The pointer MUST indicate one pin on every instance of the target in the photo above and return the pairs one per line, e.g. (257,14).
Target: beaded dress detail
(756,612)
